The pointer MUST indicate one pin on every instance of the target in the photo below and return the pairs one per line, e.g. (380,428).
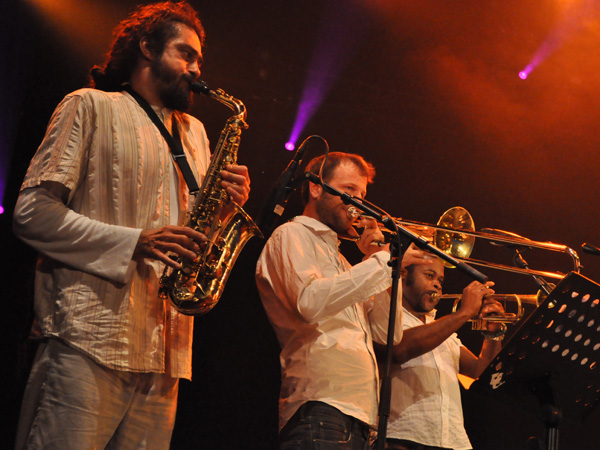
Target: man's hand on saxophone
(158,242)
(236,182)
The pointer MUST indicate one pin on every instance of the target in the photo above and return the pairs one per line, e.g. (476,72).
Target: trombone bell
(454,243)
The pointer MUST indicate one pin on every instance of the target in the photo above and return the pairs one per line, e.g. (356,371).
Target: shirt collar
(319,228)
(430,316)
(162,112)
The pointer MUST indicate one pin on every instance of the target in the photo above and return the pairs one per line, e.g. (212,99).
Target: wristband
(496,336)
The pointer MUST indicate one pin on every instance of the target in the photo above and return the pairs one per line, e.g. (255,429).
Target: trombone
(455,235)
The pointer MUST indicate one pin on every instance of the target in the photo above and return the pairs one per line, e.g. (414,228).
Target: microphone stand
(518,259)
(521,263)
(401,239)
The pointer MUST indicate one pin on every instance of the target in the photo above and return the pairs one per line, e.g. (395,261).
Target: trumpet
(505,300)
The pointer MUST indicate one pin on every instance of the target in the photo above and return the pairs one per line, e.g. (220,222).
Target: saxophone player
(103,202)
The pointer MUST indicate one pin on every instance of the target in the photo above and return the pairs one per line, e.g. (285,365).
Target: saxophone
(197,286)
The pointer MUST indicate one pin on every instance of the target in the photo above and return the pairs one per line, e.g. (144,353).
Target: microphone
(591,249)
(285,185)
(518,259)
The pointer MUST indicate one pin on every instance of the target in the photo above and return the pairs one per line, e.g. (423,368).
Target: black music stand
(552,362)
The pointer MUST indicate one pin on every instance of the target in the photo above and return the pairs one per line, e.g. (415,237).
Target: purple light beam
(339,32)
(569,24)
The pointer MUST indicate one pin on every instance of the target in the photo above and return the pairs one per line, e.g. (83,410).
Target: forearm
(489,350)
(49,226)
(325,297)
(419,340)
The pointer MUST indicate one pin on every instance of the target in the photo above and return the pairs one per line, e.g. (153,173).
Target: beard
(174,89)
(328,212)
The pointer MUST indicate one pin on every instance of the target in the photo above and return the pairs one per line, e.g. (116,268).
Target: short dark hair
(334,159)
(157,23)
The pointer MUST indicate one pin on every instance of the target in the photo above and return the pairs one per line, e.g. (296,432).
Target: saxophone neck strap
(173,140)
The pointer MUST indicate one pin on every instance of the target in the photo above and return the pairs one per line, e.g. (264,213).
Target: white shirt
(88,292)
(426,404)
(325,314)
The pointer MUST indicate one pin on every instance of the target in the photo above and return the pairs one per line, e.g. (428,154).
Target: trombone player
(426,411)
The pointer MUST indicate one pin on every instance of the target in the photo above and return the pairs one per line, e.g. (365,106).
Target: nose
(194,69)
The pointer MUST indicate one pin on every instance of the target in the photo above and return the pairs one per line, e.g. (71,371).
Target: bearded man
(103,202)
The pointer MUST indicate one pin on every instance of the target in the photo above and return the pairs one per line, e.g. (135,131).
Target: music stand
(551,364)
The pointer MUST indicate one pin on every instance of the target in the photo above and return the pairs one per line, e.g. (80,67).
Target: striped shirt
(122,179)
(426,404)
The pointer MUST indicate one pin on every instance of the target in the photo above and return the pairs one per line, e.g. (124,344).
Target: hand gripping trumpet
(511,318)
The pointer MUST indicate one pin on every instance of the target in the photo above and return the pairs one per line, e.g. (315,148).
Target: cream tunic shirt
(426,403)
(325,313)
(88,292)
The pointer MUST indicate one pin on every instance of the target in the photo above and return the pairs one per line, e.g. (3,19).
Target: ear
(145,49)
(314,190)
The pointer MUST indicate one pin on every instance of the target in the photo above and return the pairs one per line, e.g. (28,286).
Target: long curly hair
(157,23)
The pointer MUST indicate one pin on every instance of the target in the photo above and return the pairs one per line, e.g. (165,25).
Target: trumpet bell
(452,242)
(512,304)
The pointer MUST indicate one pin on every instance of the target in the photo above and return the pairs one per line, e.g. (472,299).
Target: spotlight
(1,209)
(523,75)
(290,146)
(338,35)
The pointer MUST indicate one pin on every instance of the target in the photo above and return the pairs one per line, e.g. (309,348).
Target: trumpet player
(426,411)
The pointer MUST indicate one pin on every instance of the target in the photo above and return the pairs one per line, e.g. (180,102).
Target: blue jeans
(319,426)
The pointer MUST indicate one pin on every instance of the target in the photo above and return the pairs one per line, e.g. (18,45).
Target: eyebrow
(433,272)
(189,48)
(357,188)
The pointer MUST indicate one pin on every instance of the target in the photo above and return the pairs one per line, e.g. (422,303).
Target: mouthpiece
(352,212)
(199,87)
